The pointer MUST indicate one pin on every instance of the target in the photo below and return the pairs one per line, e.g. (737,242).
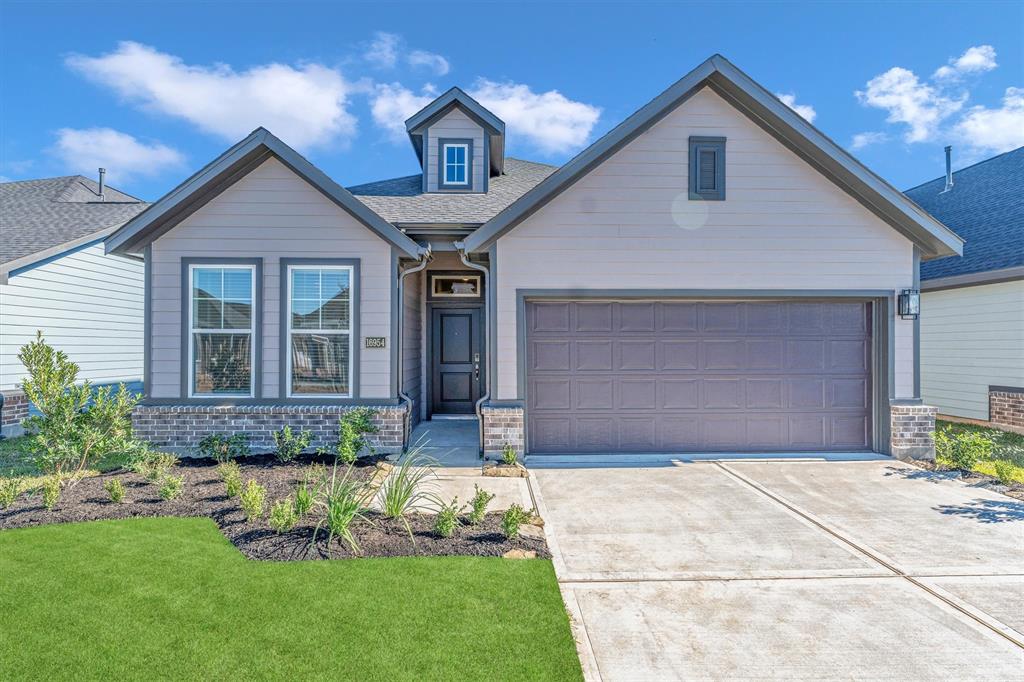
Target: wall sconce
(910,304)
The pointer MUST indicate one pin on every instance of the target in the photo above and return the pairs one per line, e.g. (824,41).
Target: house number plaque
(376,342)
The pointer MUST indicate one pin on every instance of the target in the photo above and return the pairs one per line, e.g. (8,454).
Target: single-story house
(972,306)
(56,277)
(714,274)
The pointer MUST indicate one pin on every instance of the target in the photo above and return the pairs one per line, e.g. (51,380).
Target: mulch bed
(973,478)
(203,495)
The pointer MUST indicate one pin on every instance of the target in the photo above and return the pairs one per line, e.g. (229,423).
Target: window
(707,168)
(456,164)
(320,331)
(455,286)
(222,325)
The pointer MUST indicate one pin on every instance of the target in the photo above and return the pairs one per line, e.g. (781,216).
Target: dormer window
(456,161)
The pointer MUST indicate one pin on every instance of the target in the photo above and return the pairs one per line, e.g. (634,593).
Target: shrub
(404,489)
(513,518)
(223,448)
(447,518)
(343,501)
(291,445)
(252,500)
(961,450)
(478,505)
(170,487)
(1005,471)
(353,427)
(508,455)
(51,491)
(154,466)
(304,498)
(282,516)
(115,490)
(76,427)
(232,481)
(228,470)
(10,488)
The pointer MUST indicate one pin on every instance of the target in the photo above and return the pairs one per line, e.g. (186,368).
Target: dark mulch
(1015,490)
(203,495)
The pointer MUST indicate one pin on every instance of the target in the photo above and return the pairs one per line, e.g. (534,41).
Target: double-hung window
(319,333)
(222,328)
(455,164)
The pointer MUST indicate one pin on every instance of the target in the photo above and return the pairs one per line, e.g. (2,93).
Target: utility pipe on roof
(425,257)
(464,257)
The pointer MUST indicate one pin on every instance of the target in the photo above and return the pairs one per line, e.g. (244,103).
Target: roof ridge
(961,170)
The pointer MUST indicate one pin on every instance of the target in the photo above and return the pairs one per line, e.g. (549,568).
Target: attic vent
(706,182)
(707,168)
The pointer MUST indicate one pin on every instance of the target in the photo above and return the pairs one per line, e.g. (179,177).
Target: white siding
(971,338)
(87,304)
(271,213)
(455,124)
(630,225)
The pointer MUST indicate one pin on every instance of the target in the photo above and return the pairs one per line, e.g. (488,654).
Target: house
(972,306)
(55,277)
(714,274)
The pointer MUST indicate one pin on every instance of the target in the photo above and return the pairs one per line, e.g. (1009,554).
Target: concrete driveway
(786,570)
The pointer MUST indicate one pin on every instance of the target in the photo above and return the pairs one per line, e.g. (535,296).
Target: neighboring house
(972,307)
(56,278)
(714,274)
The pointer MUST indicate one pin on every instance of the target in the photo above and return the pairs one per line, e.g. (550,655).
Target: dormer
(459,143)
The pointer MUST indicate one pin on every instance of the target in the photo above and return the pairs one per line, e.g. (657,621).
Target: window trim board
(698,144)
(442,142)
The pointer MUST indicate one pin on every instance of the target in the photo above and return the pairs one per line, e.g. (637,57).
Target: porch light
(910,304)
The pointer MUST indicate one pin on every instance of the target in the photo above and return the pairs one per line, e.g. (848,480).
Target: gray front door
(456,362)
(680,376)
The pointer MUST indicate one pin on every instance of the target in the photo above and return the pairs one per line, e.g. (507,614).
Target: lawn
(1009,447)
(172,599)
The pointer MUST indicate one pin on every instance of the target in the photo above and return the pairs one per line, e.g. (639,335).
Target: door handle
(476,366)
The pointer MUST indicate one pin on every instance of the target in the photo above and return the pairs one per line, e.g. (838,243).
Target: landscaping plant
(478,505)
(447,518)
(10,488)
(508,455)
(406,487)
(115,490)
(353,428)
(252,500)
(283,516)
(224,448)
(290,445)
(76,427)
(961,450)
(153,466)
(231,474)
(304,498)
(343,501)
(513,519)
(1005,471)
(51,491)
(170,487)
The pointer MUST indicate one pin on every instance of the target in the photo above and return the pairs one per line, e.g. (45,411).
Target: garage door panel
(680,394)
(723,394)
(849,355)
(678,317)
(805,355)
(807,431)
(637,434)
(593,317)
(637,394)
(549,317)
(595,394)
(806,393)
(766,431)
(552,394)
(551,355)
(724,431)
(765,394)
(721,317)
(636,317)
(850,431)
(849,393)
(679,355)
(725,354)
(594,355)
(636,355)
(766,354)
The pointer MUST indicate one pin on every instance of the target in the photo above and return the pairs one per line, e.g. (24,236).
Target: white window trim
(288,329)
(193,330)
(465,164)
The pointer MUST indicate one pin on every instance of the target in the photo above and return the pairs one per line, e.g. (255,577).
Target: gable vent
(707,169)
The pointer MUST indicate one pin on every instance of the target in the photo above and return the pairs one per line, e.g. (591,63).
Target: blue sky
(154,91)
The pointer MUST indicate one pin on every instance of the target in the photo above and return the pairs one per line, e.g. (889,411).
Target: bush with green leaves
(513,518)
(961,450)
(115,490)
(447,518)
(353,429)
(478,505)
(231,474)
(171,487)
(153,466)
(508,455)
(1005,471)
(407,487)
(290,444)
(342,501)
(305,493)
(77,427)
(223,448)
(252,500)
(10,488)
(283,516)
(51,491)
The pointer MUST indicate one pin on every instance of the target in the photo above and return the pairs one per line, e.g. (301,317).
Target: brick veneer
(14,411)
(502,426)
(180,427)
(1006,406)
(913,431)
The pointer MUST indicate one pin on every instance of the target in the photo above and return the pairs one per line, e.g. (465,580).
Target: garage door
(668,376)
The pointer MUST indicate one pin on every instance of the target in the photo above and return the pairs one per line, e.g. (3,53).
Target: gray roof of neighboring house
(986,208)
(37,216)
(402,200)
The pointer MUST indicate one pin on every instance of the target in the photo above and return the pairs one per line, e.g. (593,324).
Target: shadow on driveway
(985,511)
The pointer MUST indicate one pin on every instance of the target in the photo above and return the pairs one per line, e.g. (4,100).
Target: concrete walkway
(786,570)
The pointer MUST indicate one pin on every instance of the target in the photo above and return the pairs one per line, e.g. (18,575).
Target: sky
(154,91)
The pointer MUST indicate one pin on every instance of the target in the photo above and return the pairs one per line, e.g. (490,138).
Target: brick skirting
(179,428)
(503,426)
(1006,406)
(14,411)
(913,431)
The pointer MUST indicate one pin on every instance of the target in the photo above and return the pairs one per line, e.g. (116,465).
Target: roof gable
(456,98)
(740,91)
(224,171)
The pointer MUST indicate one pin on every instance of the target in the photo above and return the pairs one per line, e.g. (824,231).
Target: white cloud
(383,50)
(805,110)
(85,150)
(549,120)
(861,140)
(429,60)
(306,106)
(391,104)
(977,59)
(995,130)
(920,106)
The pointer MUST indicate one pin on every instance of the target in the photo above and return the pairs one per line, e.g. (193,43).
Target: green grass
(1009,447)
(172,599)
(14,458)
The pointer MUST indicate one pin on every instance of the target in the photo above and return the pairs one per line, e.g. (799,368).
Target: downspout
(425,256)
(461,246)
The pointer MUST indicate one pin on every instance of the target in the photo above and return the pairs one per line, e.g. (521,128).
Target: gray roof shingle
(986,208)
(36,215)
(402,200)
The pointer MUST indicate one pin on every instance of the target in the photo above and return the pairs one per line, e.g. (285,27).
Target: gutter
(425,257)
(464,257)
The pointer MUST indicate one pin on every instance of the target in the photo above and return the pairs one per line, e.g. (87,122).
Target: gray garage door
(667,376)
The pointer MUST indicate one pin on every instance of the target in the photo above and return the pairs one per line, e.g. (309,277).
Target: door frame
(441,303)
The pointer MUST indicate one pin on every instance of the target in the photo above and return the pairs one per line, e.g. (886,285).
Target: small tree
(76,426)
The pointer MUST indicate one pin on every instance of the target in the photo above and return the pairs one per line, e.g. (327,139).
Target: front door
(456,359)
